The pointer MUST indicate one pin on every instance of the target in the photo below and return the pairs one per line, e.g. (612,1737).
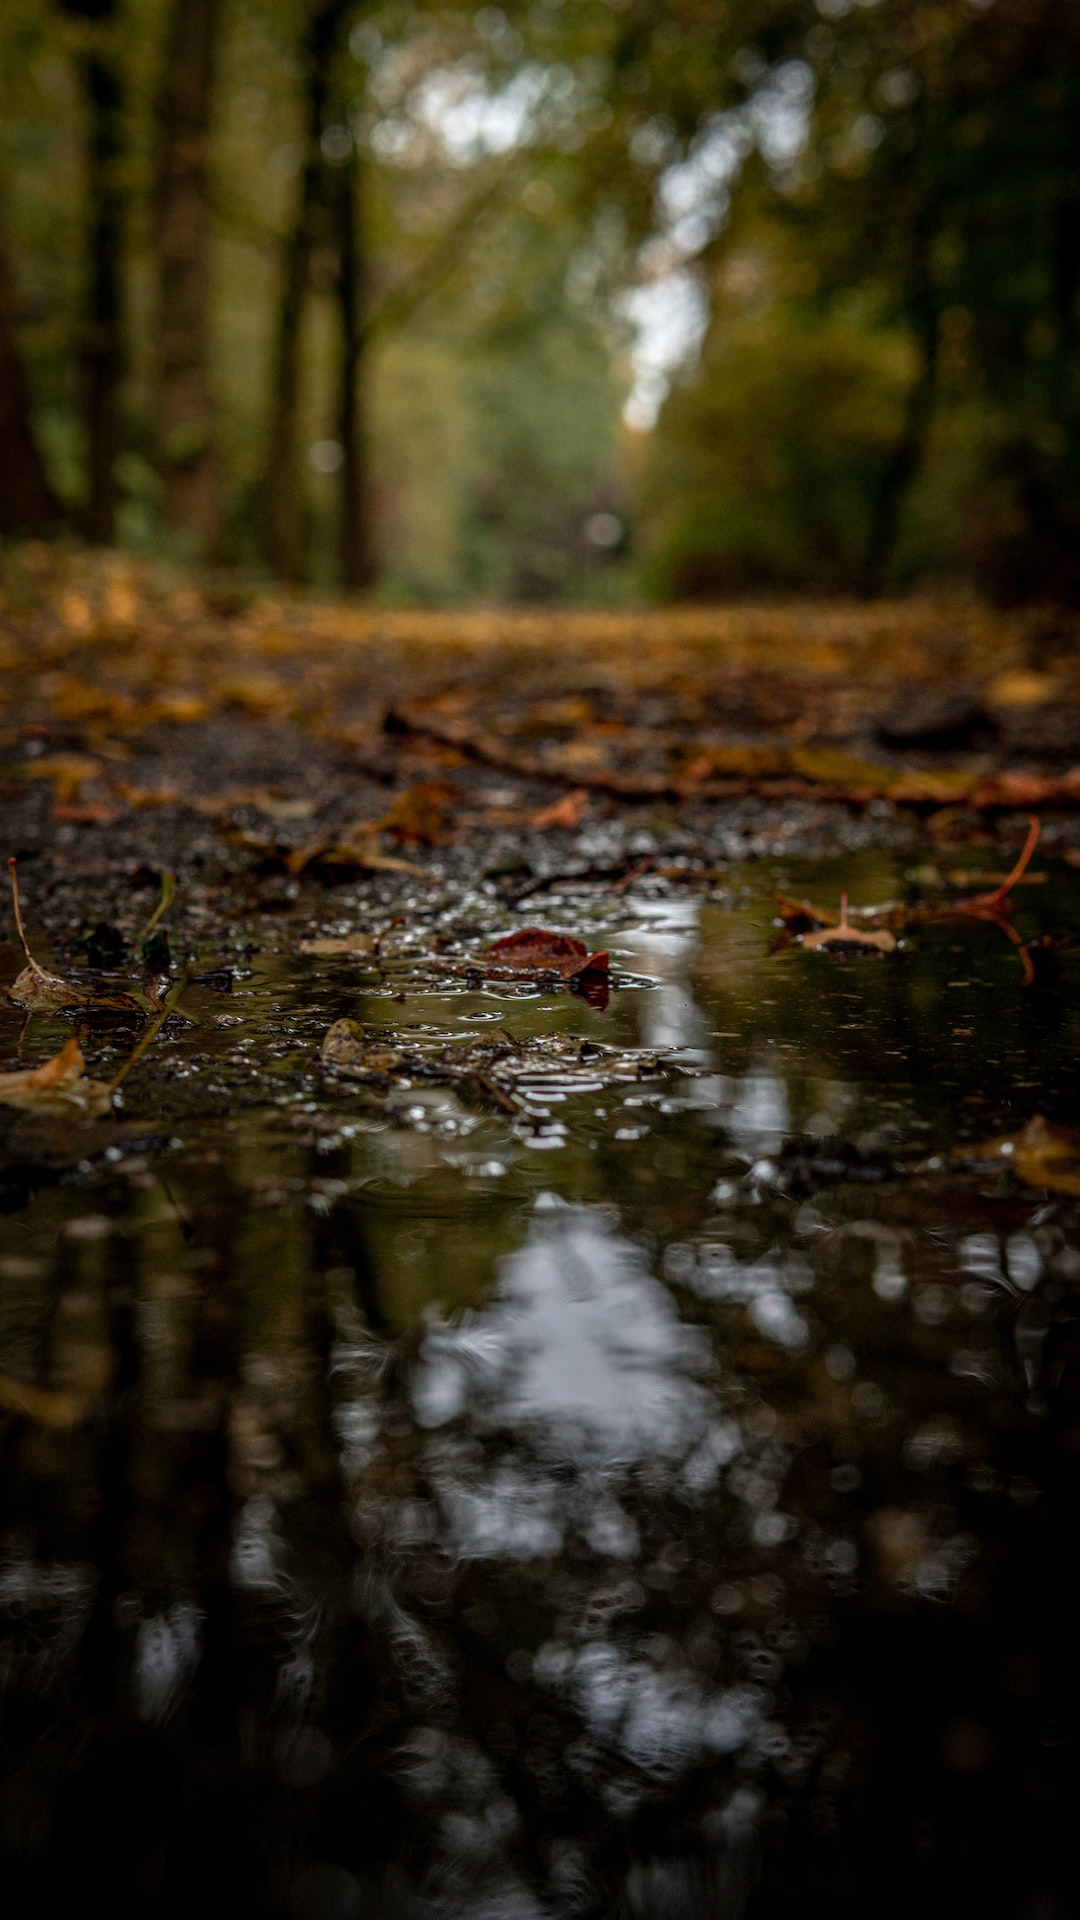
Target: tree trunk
(355,546)
(907,455)
(281,486)
(184,405)
(102,354)
(28,504)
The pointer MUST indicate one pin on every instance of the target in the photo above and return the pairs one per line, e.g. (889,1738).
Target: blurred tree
(321,45)
(27,501)
(102,353)
(182,243)
(924,155)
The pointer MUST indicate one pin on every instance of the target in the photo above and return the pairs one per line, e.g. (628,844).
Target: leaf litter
(818,927)
(38,991)
(665,714)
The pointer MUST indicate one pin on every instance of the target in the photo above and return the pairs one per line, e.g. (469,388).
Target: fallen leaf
(567,812)
(40,991)
(86,813)
(345,943)
(419,814)
(59,1085)
(346,1047)
(1021,687)
(356,847)
(141,797)
(828,767)
(937,789)
(1042,1154)
(35,988)
(743,762)
(538,950)
(799,916)
(843,934)
(68,772)
(43,1404)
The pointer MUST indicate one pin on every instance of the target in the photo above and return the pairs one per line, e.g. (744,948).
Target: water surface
(431,1512)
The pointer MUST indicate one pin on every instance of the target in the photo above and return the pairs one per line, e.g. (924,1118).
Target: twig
(172,1001)
(168,888)
(30,961)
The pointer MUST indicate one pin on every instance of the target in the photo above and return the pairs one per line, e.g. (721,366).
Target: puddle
(420,1508)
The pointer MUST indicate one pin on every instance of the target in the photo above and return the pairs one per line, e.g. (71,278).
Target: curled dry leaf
(843,934)
(35,988)
(59,1085)
(538,950)
(40,991)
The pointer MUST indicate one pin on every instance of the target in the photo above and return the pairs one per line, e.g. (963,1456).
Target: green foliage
(893,395)
(763,472)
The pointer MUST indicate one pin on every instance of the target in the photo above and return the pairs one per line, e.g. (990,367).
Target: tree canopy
(551,299)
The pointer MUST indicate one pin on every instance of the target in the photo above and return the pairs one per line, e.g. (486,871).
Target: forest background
(566,300)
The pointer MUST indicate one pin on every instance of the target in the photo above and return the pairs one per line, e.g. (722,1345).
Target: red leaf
(536,949)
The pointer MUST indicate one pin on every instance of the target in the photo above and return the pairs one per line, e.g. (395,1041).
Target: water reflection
(410,1523)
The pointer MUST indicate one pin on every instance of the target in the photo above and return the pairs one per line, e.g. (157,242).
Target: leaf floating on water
(538,950)
(843,934)
(42,992)
(59,1085)
(35,988)
(345,943)
(799,916)
(346,1047)
(43,1404)
(1041,1154)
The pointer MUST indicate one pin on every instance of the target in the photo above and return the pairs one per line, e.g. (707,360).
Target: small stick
(172,1001)
(999,894)
(30,961)
(168,888)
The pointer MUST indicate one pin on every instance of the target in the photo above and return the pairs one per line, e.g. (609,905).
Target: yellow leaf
(1042,1154)
(828,767)
(59,1085)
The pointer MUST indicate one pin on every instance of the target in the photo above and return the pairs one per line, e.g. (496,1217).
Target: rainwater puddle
(417,1506)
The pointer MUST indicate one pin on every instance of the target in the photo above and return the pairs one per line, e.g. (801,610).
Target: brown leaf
(419,814)
(352,850)
(68,772)
(737,761)
(1042,1154)
(538,950)
(799,916)
(43,1404)
(346,1047)
(567,812)
(843,934)
(828,767)
(42,992)
(345,943)
(59,1085)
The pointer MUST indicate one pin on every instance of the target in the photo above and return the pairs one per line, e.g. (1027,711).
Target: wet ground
(636,1478)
